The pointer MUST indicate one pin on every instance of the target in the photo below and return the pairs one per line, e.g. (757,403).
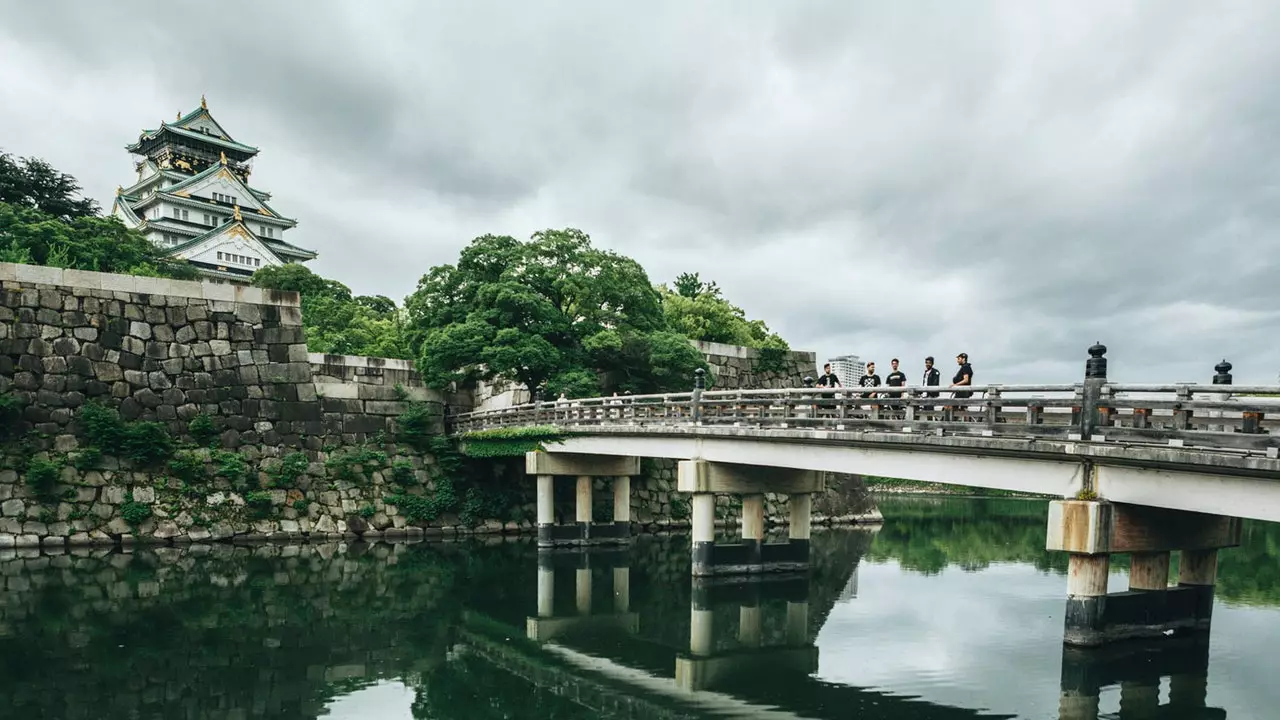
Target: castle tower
(193,198)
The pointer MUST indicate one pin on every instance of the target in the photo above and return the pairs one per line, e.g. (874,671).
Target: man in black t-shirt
(897,378)
(869,379)
(963,376)
(828,378)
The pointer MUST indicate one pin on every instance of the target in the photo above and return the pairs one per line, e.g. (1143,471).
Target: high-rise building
(193,198)
(849,368)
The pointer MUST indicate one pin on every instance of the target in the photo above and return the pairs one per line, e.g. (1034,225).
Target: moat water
(951,610)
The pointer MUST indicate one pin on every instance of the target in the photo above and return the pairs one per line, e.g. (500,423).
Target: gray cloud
(1012,180)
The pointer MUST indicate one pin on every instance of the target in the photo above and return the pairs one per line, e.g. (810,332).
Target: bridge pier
(550,621)
(759,647)
(585,468)
(752,555)
(1092,531)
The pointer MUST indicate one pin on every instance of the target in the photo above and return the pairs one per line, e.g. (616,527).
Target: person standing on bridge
(828,379)
(870,379)
(897,378)
(963,376)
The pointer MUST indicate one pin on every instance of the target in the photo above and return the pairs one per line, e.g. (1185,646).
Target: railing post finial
(1096,365)
(1223,370)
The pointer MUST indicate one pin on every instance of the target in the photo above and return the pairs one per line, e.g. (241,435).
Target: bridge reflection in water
(746,648)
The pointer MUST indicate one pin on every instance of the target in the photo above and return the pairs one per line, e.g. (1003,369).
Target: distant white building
(849,368)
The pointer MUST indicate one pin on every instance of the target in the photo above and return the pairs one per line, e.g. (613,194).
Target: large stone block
(549,463)
(701,476)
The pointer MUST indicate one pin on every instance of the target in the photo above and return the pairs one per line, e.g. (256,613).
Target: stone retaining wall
(734,367)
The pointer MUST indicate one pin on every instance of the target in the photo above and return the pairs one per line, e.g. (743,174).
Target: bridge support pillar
(585,468)
(707,479)
(1092,531)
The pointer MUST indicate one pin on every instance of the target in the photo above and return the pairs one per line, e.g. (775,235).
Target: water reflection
(952,611)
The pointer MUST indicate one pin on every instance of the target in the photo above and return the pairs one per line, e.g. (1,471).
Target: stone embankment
(224,426)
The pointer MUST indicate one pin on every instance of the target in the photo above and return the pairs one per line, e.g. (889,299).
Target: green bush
(201,429)
(86,458)
(367,511)
(133,512)
(351,465)
(417,509)
(10,416)
(187,466)
(232,467)
(300,505)
(142,442)
(42,475)
(292,467)
(402,472)
(510,442)
(259,502)
(413,426)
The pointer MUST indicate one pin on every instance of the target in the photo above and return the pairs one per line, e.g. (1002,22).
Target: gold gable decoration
(238,231)
(235,213)
(204,104)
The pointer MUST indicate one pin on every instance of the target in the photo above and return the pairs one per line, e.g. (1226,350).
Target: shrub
(367,511)
(42,475)
(350,465)
(292,467)
(259,502)
(201,429)
(10,416)
(300,505)
(232,467)
(413,426)
(133,512)
(187,466)
(146,442)
(402,472)
(102,425)
(417,509)
(510,442)
(86,458)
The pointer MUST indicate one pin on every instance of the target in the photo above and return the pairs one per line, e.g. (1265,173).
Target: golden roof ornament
(179,117)
(235,213)
(204,105)
(222,157)
(119,189)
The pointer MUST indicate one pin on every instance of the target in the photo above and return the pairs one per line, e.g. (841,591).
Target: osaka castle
(193,198)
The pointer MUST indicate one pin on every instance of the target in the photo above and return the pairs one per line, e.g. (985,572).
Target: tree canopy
(43,222)
(699,311)
(335,321)
(554,311)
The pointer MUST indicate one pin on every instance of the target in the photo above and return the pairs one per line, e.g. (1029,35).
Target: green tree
(335,321)
(699,311)
(552,311)
(33,183)
(44,221)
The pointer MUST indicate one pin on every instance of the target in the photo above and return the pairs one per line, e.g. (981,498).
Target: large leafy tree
(554,311)
(44,222)
(336,321)
(699,311)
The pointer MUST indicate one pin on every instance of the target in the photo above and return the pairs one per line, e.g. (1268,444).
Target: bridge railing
(1220,416)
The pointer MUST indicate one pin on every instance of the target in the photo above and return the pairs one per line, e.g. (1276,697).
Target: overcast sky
(1015,180)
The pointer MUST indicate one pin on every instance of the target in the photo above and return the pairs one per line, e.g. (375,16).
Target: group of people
(897,378)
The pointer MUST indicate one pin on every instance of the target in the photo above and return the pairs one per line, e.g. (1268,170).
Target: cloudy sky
(1015,180)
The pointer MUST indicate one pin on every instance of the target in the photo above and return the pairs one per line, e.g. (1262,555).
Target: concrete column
(1199,569)
(582,590)
(546,591)
(753,528)
(704,532)
(622,499)
(1149,571)
(546,508)
(1086,598)
(1139,699)
(1188,691)
(701,639)
(801,515)
(622,589)
(583,499)
(1073,705)
(749,625)
(798,623)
